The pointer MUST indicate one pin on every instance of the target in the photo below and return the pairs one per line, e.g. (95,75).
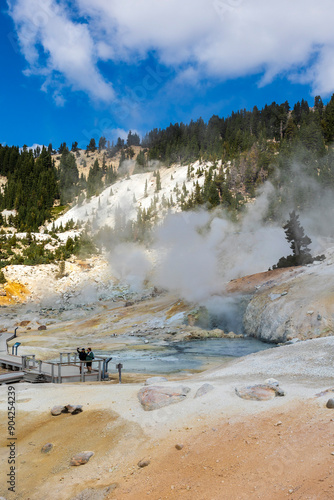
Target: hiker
(82,356)
(89,357)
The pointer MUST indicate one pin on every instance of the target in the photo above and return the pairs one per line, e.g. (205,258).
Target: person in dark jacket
(89,358)
(82,356)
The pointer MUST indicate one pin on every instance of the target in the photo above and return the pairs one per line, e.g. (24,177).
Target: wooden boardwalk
(67,369)
(10,378)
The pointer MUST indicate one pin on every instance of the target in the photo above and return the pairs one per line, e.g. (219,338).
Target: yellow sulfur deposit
(12,293)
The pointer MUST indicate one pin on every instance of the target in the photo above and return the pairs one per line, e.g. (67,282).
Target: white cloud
(56,46)
(223,38)
(197,38)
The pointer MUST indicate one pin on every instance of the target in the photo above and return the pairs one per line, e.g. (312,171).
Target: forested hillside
(276,143)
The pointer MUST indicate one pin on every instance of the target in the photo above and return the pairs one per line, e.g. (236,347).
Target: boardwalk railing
(69,368)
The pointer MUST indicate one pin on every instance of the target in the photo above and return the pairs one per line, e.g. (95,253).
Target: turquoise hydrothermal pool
(182,356)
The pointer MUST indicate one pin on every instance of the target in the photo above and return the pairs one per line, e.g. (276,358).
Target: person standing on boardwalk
(89,357)
(82,356)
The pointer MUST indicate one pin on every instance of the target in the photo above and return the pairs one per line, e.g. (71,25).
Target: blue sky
(72,70)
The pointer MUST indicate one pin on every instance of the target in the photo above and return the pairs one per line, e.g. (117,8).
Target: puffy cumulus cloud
(197,38)
(222,38)
(58,48)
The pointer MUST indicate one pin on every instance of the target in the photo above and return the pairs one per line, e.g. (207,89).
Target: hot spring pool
(183,356)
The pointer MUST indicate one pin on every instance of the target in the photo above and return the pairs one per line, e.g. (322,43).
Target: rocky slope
(298,303)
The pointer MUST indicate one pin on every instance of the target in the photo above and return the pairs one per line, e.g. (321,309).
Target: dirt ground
(279,454)
(283,452)
(248,284)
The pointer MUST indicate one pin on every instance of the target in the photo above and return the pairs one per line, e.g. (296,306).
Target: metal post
(34,360)
(59,373)
(69,357)
(24,361)
(40,366)
(52,372)
(15,331)
(119,368)
(105,368)
(99,379)
(61,357)
(82,371)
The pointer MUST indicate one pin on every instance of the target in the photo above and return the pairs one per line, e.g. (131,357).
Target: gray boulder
(330,403)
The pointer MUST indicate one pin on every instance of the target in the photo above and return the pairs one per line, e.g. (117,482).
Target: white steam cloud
(130,265)
(200,252)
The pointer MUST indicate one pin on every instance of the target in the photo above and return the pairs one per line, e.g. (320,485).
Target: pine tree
(299,242)
(295,235)
(91,146)
(157,182)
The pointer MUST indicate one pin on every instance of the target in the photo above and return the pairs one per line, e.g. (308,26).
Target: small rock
(73,409)
(143,463)
(46,448)
(57,410)
(42,327)
(310,312)
(278,423)
(204,389)
(284,293)
(179,446)
(330,403)
(81,458)
(319,317)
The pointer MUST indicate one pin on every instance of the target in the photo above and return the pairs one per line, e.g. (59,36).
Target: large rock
(155,397)
(259,392)
(276,316)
